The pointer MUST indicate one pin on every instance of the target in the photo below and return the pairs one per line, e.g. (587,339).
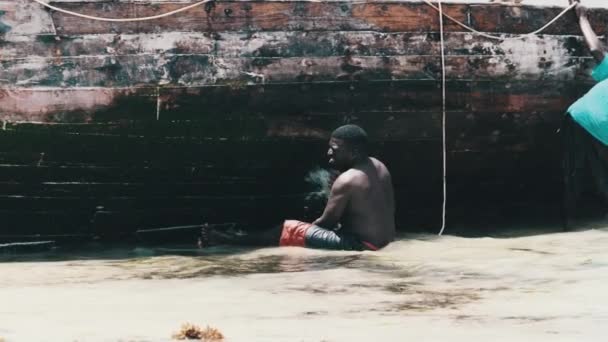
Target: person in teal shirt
(585,130)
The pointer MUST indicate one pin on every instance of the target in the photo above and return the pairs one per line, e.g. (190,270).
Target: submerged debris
(191,331)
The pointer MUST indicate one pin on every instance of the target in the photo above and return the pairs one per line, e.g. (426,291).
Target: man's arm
(598,50)
(391,193)
(338,199)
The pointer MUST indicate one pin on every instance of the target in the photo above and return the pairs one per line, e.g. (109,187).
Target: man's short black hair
(353,135)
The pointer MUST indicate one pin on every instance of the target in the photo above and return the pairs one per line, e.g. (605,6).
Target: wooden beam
(311,16)
(286,44)
(200,70)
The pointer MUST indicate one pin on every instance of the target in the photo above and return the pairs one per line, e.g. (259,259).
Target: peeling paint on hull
(217,115)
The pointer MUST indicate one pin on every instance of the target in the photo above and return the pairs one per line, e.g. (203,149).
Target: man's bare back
(370,211)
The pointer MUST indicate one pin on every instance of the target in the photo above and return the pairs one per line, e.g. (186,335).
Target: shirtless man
(360,212)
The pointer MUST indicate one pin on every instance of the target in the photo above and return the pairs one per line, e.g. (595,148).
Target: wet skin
(361,197)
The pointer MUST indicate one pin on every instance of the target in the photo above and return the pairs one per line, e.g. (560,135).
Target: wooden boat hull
(217,115)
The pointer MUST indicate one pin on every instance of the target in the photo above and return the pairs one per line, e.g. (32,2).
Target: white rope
(443,120)
(185,8)
(122,20)
(439,9)
(561,14)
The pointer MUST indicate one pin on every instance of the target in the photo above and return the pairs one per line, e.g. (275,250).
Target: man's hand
(593,42)
(581,11)
(336,204)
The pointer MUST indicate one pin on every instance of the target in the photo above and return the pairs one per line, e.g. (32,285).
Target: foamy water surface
(548,287)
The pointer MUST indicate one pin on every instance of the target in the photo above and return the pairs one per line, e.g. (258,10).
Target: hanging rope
(443,120)
(439,9)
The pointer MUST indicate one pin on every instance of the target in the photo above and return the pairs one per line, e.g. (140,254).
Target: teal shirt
(591,110)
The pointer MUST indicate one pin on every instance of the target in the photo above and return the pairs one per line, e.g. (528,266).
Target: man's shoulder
(350,179)
(376,161)
(349,175)
(379,165)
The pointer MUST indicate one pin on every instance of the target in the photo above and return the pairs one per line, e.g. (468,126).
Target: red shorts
(302,234)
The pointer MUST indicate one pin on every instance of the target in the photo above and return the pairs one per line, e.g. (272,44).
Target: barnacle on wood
(191,331)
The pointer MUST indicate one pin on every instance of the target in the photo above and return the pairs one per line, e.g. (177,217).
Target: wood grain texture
(200,70)
(285,44)
(218,114)
(310,16)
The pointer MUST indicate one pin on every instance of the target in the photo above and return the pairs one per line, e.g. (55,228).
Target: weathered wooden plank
(525,19)
(380,126)
(241,126)
(20,221)
(400,156)
(156,151)
(476,163)
(76,105)
(25,246)
(497,97)
(463,125)
(231,206)
(255,16)
(102,222)
(238,101)
(23,17)
(287,44)
(217,187)
(124,223)
(110,222)
(418,177)
(354,98)
(341,98)
(467,130)
(111,105)
(100,172)
(200,70)
(416,172)
(266,15)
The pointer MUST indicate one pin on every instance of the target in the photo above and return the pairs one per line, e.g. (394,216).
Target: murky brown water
(547,287)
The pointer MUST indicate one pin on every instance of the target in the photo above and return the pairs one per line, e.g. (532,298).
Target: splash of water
(319,179)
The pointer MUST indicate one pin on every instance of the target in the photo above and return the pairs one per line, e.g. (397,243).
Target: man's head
(348,145)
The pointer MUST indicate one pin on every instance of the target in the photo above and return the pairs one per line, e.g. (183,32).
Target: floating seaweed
(191,331)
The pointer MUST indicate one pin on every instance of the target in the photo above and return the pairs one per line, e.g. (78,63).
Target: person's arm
(598,50)
(391,193)
(338,199)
